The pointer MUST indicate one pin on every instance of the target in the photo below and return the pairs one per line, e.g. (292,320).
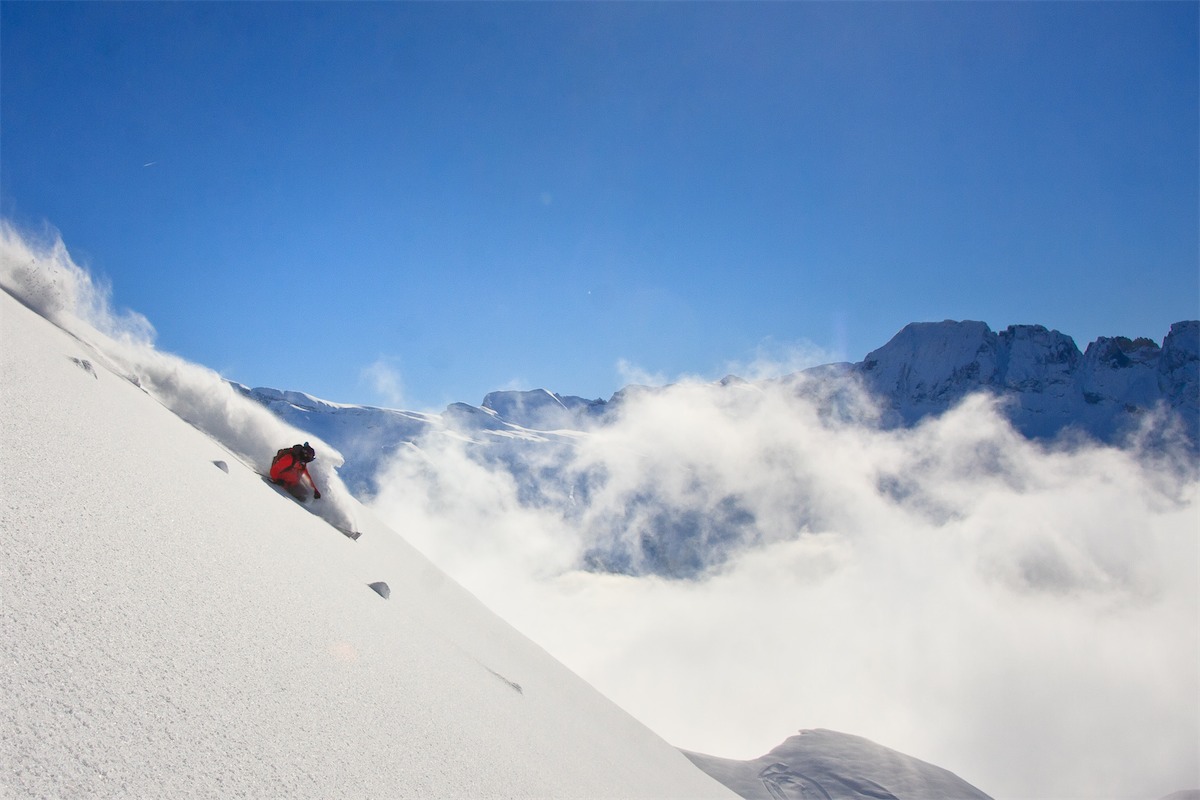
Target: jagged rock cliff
(1050,385)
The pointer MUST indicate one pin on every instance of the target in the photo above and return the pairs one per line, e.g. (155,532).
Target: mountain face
(1046,387)
(1049,384)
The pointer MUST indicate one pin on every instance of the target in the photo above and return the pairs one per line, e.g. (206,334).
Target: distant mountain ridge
(1048,384)
(1047,387)
(928,367)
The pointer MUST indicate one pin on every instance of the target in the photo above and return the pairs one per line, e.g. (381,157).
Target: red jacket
(288,471)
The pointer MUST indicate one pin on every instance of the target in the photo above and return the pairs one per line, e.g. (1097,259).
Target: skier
(290,465)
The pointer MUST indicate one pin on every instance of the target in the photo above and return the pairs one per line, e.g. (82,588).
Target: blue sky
(465,197)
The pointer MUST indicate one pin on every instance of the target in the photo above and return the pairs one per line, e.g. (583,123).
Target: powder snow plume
(41,273)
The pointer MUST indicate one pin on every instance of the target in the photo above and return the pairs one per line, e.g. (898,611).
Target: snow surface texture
(835,766)
(172,628)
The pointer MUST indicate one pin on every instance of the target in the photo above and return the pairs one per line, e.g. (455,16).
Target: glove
(316,495)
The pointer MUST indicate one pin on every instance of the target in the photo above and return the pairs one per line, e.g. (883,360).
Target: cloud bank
(1023,614)
(385,379)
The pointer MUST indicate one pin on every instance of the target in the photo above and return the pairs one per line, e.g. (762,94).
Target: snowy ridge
(1047,384)
(1045,388)
(1048,387)
(540,409)
(365,436)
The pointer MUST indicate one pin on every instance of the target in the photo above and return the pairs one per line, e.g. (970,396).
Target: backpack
(299,452)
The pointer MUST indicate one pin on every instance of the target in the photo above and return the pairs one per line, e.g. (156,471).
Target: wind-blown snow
(47,280)
(174,627)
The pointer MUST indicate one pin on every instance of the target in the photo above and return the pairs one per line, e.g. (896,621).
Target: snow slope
(172,626)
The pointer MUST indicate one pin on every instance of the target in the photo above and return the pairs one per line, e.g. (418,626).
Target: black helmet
(304,452)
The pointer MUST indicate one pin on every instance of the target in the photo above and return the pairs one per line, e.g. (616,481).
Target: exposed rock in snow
(836,766)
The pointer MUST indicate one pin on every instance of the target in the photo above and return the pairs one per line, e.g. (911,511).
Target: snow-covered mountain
(1045,386)
(1048,385)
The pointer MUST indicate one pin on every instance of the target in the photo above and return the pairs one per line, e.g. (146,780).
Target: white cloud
(1024,616)
(385,379)
(515,385)
(771,359)
(629,373)
(776,359)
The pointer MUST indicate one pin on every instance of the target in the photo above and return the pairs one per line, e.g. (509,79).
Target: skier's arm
(316,491)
